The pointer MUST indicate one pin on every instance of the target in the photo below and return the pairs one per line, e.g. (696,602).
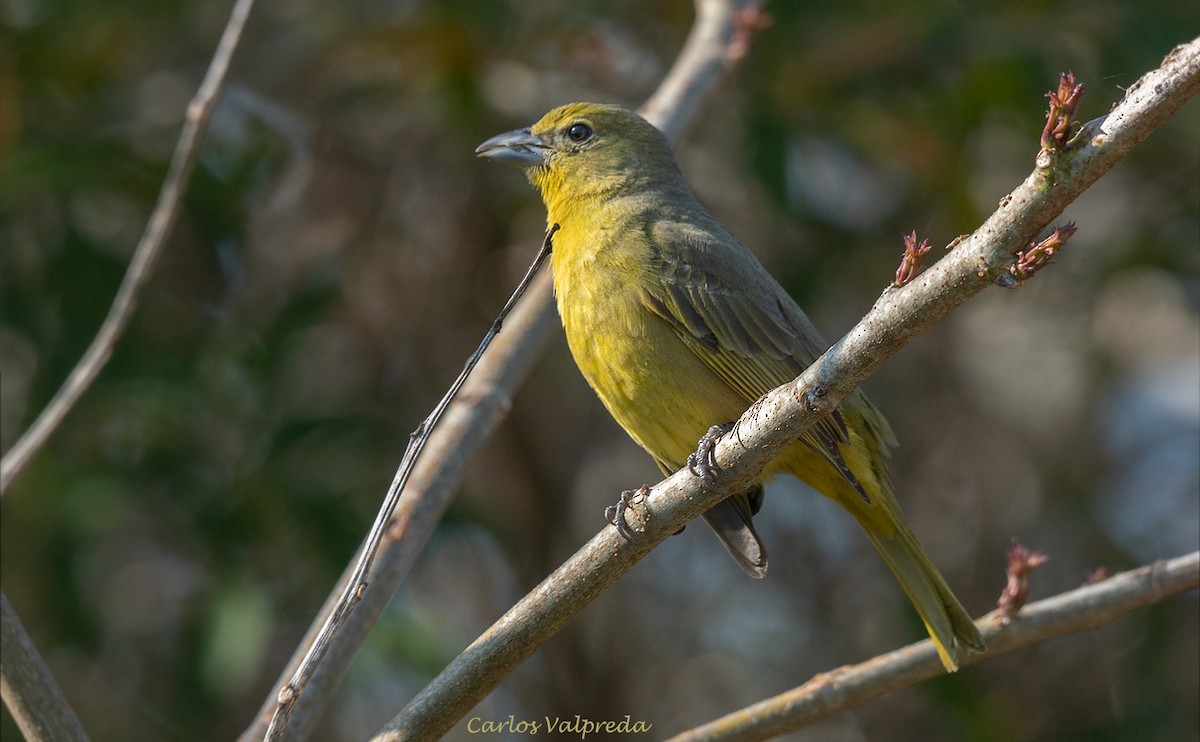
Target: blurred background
(342,252)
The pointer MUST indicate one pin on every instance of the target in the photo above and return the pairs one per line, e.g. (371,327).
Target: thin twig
(29,691)
(487,397)
(354,588)
(717,41)
(482,404)
(782,415)
(826,695)
(145,257)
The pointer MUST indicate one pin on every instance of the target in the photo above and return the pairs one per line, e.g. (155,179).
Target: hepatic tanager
(678,327)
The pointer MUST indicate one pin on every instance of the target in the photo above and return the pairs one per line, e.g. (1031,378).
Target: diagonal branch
(783,414)
(347,600)
(145,257)
(29,690)
(829,694)
(39,708)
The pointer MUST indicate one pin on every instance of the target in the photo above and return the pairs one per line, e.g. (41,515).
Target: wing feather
(739,321)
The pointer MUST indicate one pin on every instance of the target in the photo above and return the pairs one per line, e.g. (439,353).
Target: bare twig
(483,403)
(354,587)
(828,694)
(29,691)
(718,39)
(783,414)
(487,395)
(158,229)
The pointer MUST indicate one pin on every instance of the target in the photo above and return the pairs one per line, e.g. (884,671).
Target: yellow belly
(664,395)
(656,388)
(653,384)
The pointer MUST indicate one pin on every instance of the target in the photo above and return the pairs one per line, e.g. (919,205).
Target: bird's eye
(579,132)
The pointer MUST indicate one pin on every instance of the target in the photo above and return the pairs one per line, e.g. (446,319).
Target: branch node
(286,695)
(1062,129)
(814,399)
(747,22)
(911,263)
(1021,561)
(1038,256)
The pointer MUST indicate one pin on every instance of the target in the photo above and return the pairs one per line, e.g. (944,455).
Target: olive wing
(735,317)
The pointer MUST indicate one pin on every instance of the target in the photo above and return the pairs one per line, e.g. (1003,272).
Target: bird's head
(586,150)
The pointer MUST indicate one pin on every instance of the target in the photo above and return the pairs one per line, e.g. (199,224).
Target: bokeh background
(342,251)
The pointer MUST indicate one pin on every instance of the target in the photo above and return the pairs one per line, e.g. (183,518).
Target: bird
(678,328)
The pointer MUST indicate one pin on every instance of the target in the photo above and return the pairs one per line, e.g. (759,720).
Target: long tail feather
(730,519)
(948,623)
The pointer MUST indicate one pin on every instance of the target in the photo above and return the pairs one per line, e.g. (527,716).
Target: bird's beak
(518,148)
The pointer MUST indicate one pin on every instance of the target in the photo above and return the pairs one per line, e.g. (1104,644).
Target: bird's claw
(615,514)
(703,463)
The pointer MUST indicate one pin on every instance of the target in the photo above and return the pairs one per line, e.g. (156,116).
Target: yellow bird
(677,327)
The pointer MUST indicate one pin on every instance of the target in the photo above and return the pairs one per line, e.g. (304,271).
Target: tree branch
(829,694)
(145,257)
(487,396)
(354,583)
(718,39)
(29,691)
(782,415)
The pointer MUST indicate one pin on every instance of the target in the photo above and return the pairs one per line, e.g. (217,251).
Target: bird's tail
(731,520)
(948,623)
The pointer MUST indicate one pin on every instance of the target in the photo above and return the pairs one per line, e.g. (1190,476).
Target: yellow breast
(652,384)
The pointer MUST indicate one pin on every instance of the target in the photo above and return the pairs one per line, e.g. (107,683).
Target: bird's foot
(615,514)
(703,463)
